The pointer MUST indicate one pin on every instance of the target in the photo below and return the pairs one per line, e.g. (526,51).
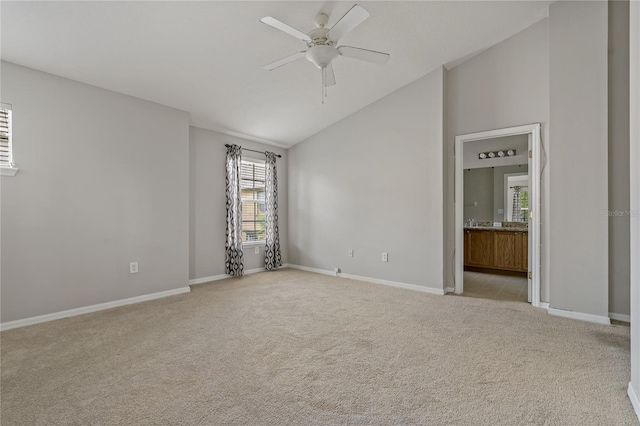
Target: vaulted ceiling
(205,57)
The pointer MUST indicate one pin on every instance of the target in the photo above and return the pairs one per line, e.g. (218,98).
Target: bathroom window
(517,198)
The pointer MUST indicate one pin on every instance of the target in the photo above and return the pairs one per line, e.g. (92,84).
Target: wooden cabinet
(507,250)
(479,248)
(496,249)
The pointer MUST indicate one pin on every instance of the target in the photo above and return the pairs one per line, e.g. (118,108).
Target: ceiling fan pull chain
(324,84)
(322,87)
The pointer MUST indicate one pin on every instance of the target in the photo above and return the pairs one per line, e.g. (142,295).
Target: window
(252,187)
(521,212)
(524,206)
(6,152)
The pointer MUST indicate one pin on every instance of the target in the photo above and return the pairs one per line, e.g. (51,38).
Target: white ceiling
(205,57)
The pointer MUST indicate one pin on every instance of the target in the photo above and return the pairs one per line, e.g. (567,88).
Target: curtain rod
(253,150)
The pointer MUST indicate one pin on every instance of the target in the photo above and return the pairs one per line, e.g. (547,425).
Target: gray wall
(103,181)
(634,90)
(207,202)
(619,156)
(578,157)
(478,194)
(506,85)
(372,183)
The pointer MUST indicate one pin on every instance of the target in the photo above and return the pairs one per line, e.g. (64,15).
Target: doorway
(506,237)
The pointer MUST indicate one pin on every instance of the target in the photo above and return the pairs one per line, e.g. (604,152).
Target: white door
(530,238)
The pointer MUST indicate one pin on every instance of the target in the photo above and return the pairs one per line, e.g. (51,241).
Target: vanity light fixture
(498,154)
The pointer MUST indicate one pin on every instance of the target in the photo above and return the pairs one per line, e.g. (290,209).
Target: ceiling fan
(322,44)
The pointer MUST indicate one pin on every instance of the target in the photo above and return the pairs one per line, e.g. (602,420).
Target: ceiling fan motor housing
(319,36)
(321,55)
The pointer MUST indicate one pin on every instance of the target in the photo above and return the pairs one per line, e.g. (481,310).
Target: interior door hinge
(530,154)
(530,275)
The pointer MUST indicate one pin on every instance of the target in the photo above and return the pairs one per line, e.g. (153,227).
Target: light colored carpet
(296,348)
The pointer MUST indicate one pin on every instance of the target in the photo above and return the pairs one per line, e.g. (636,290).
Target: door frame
(535,154)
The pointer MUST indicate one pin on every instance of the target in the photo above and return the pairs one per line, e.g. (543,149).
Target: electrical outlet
(133,267)
(351,253)
(500,211)
(385,257)
(256,250)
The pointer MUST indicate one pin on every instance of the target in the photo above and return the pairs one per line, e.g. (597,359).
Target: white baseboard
(620,317)
(414,287)
(203,280)
(635,399)
(449,290)
(208,279)
(579,316)
(308,269)
(92,308)
(585,317)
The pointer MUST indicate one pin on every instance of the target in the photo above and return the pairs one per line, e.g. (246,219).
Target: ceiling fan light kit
(321,44)
(321,55)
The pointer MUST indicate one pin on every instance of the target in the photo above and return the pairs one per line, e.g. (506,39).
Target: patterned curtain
(516,215)
(233,245)
(272,257)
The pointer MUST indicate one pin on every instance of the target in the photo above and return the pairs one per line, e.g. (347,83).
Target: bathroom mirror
(490,194)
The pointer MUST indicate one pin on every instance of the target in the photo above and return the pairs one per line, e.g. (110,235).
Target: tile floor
(497,287)
(622,323)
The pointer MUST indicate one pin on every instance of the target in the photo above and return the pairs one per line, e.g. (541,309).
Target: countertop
(504,228)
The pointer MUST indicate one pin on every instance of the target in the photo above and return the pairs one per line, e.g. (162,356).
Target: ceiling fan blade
(354,17)
(330,76)
(273,22)
(284,61)
(364,54)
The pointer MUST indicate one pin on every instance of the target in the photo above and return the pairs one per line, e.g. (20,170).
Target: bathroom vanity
(499,249)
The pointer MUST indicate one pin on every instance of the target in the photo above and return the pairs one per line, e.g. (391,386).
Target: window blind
(252,185)
(5,138)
